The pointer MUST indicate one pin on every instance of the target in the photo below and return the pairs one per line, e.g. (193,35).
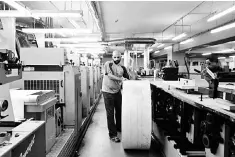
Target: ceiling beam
(98,13)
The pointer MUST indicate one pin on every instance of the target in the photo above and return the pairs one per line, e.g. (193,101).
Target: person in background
(111,89)
(213,65)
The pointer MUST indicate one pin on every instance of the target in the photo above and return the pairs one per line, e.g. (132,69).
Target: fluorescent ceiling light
(87,49)
(13,13)
(187,41)
(150,49)
(17,6)
(81,45)
(221,57)
(160,45)
(23,11)
(225,51)
(222,28)
(72,39)
(164,38)
(55,30)
(156,51)
(206,54)
(223,13)
(179,36)
(48,0)
(168,47)
(91,52)
(74,23)
(232,56)
(42,13)
(60,13)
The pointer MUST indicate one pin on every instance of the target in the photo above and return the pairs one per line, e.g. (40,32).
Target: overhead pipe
(132,40)
(97,10)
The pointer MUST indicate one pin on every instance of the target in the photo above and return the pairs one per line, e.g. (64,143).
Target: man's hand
(124,79)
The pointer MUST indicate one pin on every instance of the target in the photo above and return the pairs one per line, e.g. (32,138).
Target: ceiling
(150,19)
(142,16)
(157,19)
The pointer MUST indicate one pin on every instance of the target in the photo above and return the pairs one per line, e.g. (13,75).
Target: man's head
(116,57)
(213,64)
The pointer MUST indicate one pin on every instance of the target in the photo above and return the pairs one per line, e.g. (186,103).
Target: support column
(8,34)
(86,60)
(146,59)
(126,58)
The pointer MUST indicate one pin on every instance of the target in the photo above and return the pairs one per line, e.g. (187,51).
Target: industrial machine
(171,72)
(170,125)
(92,86)
(194,125)
(85,81)
(39,105)
(43,71)
(19,137)
(58,121)
(96,82)
(99,79)
(49,69)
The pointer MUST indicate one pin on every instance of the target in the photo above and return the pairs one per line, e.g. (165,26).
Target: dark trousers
(113,102)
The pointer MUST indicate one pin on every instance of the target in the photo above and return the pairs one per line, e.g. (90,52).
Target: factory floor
(96,142)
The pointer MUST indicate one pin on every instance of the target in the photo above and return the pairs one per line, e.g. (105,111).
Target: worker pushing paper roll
(136,115)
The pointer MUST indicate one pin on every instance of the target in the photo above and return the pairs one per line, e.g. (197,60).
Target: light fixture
(22,10)
(86,39)
(206,54)
(13,13)
(225,51)
(82,45)
(60,13)
(74,23)
(187,41)
(161,45)
(232,56)
(150,49)
(91,52)
(168,47)
(17,6)
(55,30)
(179,36)
(164,38)
(222,28)
(47,0)
(223,13)
(38,14)
(221,57)
(156,51)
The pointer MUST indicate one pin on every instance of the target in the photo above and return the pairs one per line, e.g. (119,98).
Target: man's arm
(108,72)
(126,73)
(113,77)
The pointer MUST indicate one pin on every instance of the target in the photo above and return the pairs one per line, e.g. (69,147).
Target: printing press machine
(20,136)
(196,124)
(42,71)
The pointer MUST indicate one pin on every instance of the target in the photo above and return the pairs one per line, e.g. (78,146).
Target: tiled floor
(96,142)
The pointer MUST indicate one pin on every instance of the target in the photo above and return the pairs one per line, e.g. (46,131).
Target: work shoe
(115,139)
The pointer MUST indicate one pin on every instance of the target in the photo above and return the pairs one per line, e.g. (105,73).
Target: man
(213,65)
(111,88)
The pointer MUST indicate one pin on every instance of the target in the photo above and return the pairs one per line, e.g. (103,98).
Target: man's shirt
(109,85)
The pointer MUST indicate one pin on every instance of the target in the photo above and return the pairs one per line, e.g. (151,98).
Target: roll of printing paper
(136,115)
